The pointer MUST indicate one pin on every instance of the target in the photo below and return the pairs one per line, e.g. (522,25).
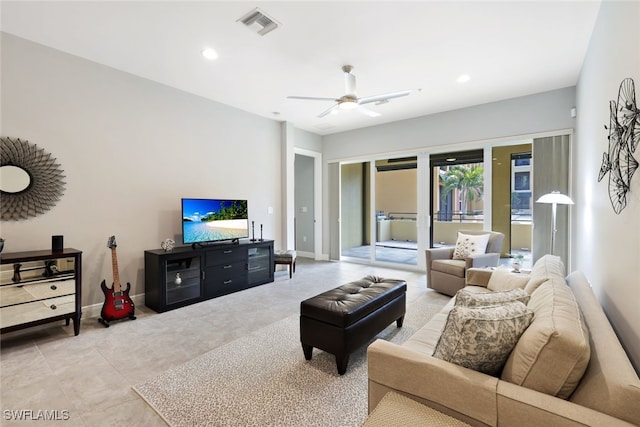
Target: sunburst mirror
(31,181)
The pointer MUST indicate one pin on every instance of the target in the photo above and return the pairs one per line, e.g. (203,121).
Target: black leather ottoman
(343,319)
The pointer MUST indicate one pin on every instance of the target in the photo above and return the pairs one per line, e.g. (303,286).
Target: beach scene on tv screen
(209,220)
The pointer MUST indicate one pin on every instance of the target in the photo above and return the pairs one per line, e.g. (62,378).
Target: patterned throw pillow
(470,244)
(467,298)
(482,338)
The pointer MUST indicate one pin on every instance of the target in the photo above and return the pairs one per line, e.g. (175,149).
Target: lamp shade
(555,197)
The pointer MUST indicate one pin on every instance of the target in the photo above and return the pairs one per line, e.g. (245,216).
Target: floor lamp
(555,198)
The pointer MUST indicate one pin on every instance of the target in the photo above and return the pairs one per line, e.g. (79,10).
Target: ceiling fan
(350,100)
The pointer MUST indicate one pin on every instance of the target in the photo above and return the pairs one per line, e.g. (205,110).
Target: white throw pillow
(502,279)
(482,338)
(470,244)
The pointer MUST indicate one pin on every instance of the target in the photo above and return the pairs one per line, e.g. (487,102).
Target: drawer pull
(228,251)
(53,306)
(227,266)
(228,282)
(54,287)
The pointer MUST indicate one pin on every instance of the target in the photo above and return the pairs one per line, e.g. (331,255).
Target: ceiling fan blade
(328,110)
(386,96)
(312,98)
(367,112)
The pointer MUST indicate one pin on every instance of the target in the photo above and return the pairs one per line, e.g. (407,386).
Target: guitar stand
(106,323)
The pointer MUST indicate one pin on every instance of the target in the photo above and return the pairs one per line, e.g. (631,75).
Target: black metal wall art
(31,180)
(624,135)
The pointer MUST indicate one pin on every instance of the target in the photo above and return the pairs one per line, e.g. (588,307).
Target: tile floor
(88,378)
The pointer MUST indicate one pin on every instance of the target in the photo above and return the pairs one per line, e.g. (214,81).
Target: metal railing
(457,216)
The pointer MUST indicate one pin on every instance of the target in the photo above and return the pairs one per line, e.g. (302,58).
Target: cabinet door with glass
(182,279)
(172,280)
(260,263)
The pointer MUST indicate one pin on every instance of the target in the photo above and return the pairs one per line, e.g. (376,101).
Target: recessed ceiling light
(463,78)
(451,159)
(209,54)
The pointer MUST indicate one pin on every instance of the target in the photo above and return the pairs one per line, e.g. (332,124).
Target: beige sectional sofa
(567,368)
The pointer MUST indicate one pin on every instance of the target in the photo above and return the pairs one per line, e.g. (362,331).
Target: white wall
(606,246)
(130,149)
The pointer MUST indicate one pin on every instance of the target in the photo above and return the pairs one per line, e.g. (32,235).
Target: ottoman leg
(341,362)
(308,351)
(399,321)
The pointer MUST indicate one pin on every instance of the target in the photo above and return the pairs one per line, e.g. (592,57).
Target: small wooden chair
(285,257)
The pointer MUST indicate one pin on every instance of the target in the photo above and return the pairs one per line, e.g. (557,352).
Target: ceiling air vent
(259,22)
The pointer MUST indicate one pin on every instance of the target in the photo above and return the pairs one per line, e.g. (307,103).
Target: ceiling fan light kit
(348,105)
(350,100)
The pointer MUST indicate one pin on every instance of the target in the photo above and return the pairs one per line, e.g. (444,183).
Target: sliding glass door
(512,201)
(396,210)
(457,195)
(378,219)
(354,210)
(390,210)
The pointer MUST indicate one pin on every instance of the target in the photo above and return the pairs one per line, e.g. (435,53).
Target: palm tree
(467,179)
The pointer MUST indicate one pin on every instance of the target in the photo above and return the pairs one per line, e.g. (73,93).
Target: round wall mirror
(14,179)
(31,181)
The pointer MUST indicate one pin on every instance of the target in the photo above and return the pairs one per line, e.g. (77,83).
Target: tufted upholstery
(342,319)
(346,304)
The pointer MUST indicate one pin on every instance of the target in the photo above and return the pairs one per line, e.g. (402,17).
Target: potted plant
(516,262)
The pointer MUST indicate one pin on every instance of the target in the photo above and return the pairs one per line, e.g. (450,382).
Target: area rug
(263,379)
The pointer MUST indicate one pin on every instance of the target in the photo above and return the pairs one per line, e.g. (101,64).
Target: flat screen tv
(214,220)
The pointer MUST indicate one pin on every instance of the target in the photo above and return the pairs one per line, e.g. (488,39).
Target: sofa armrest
(432,381)
(436,253)
(439,253)
(525,407)
(483,260)
(478,276)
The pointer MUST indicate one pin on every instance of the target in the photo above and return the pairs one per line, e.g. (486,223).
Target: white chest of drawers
(38,287)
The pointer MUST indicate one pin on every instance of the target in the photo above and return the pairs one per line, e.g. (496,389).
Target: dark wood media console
(187,275)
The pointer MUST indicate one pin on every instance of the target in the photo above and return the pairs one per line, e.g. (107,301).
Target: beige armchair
(447,275)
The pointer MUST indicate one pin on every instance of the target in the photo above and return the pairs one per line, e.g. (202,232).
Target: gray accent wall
(130,149)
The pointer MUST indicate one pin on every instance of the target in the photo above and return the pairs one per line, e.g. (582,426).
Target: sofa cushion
(547,267)
(467,298)
(481,338)
(470,244)
(553,353)
(502,279)
(454,267)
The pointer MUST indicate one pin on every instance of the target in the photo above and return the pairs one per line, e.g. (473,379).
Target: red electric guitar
(117,304)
